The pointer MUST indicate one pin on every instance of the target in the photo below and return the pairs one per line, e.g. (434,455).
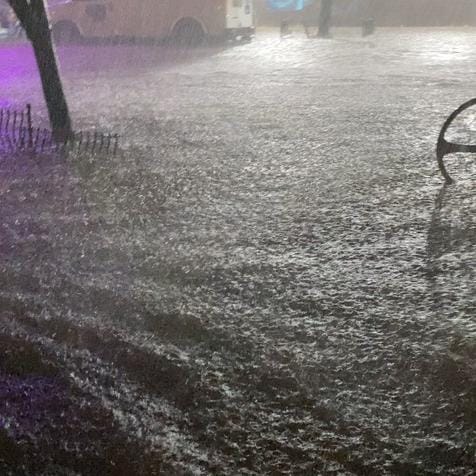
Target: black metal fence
(18,133)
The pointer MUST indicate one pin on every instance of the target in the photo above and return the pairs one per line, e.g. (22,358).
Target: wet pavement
(269,278)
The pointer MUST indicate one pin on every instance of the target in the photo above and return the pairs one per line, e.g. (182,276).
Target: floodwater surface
(269,278)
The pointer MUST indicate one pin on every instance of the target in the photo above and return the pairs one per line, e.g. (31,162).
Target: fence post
(29,126)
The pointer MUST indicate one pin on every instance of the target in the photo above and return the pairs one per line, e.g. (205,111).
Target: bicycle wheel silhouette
(445,147)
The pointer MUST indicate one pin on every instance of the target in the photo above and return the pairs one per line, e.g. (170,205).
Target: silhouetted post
(325,16)
(284,29)
(34,20)
(368,27)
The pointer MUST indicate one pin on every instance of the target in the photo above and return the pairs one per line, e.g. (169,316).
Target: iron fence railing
(18,132)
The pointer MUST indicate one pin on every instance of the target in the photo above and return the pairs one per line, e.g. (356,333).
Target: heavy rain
(266,274)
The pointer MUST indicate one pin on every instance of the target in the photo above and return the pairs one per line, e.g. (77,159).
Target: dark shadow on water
(451,226)
(437,234)
(451,282)
(450,256)
(450,251)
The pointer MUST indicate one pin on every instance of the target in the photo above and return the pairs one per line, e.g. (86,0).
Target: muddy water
(269,278)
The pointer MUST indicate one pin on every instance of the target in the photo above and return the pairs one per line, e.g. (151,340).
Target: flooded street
(269,277)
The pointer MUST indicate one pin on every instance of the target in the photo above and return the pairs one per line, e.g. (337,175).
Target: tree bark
(325,16)
(34,20)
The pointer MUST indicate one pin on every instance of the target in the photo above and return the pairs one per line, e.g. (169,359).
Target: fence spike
(45,139)
(29,125)
(94,142)
(14,126)
(21,137)
(116,143)
(18,133)
(80,140)
(36,138)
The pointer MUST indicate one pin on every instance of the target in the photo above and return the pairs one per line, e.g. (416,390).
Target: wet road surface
(269,278)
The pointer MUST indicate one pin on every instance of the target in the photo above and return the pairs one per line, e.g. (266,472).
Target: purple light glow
(19,79)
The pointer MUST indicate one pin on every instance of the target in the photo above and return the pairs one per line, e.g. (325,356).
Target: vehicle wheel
(66,33)
(188,32)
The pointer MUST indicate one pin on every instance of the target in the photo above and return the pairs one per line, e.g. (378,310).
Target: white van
(189,21)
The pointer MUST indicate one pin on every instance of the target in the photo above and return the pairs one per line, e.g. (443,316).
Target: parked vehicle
(186,21)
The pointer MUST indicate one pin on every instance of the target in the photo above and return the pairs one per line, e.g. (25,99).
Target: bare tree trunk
(325,16)
(34,20)
(52,87)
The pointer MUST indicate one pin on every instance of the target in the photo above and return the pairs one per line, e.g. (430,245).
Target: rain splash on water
(269,278)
